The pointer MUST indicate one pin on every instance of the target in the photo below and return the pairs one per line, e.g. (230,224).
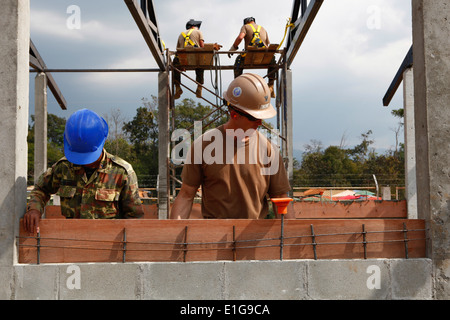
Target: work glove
(233,48)
(217,46)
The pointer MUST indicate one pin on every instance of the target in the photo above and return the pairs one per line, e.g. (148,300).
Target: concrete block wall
(373,279)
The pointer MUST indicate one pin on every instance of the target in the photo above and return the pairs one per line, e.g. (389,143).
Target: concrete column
(431,29)
(410,144)
(40,125)
(14,82)
(289,127)
(386,193)
(164,142)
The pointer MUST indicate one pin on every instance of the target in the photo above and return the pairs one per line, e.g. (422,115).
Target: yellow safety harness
(187,39)
(256,40)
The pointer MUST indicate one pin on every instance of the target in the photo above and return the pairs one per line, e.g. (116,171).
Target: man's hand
(31,221)
(233,48)
(217,46)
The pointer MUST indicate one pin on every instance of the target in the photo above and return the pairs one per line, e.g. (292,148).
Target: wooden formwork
(75,241)
(351,209)
(303,210)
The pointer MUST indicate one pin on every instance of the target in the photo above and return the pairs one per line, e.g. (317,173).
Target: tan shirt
(247,29)
(195,36)
(235,186)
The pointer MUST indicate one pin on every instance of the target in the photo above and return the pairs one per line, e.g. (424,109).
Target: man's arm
(47,184)
(290,209)
(130,201)
(238,40)
(182,205)
(236,43)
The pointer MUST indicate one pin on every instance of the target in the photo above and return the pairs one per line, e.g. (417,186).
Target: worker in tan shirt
(192,37)
(254,35)
(237,168)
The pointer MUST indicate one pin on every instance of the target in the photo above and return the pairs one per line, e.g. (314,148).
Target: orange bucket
(282,204)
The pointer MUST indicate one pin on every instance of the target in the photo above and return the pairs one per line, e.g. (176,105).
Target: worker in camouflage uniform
(91,183)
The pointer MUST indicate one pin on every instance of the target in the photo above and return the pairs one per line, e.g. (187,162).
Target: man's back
(194,35)
(249,32)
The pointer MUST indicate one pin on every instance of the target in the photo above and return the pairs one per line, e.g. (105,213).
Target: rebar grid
(186,246)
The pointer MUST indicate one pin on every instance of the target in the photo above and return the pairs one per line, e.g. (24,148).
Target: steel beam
(38,63)
(301,26)
(145,18)
(406,64)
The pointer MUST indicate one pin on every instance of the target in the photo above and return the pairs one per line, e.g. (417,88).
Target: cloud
(340,73)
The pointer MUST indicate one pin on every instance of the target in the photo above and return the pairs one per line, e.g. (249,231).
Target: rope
(288,25)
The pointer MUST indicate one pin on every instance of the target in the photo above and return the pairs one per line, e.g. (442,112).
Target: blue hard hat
(84,137)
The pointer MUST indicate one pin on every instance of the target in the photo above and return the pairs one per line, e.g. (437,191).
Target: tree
(55,141)
(142,132)
(187,112)
(116,137)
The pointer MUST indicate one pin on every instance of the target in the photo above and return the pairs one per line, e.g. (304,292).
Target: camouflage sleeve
(130,202)
(47,184)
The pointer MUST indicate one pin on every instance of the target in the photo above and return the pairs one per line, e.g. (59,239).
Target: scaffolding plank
(197,57)
(260,56)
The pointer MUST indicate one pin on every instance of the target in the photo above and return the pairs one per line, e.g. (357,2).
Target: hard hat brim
(266,113)
(84,158)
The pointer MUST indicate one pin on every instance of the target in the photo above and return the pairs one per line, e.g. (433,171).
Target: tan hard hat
(250,93)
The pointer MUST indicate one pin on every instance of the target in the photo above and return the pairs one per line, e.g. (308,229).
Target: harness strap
(188,39)
(255,33)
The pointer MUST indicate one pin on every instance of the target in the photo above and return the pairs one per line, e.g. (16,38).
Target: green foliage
(353,167)
(55,142)
(187,112)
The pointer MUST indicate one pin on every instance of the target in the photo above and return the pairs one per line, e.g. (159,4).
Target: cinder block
(179,280)
(36,282)
(101,281)
(269,280)
(411,278)
(349,279)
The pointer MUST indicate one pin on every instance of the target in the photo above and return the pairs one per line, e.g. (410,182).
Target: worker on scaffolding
(91,183)
(254,36)
(235,178)
(192,37)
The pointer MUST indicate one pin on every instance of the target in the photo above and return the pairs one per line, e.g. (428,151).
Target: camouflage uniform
(111,191)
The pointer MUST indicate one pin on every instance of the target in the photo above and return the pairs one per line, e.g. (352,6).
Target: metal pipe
(282,237)
(95,70)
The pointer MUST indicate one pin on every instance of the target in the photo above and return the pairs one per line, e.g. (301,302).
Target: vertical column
(431,29)
(410,144)
(40,125)
(164,140)
(14,57)
(289,123)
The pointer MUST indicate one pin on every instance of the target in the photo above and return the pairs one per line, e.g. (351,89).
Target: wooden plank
(150,211)
(260,56)
(65,241)
(350,209)
(303,210)
(197,57)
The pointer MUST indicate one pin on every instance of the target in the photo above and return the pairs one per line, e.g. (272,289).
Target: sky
(340,74)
